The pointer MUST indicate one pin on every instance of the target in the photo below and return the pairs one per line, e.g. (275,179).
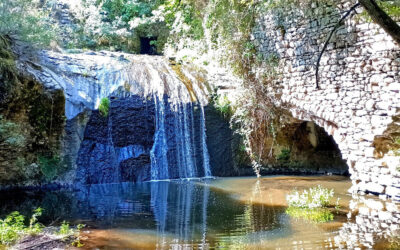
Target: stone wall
(359,82)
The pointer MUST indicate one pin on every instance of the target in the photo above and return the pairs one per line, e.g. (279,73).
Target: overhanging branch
(329,38)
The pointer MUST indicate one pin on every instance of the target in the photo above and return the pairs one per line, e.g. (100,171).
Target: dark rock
(129,127)
(136,169)
(222,143)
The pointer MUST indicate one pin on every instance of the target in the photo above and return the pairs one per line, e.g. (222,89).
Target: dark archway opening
(313,145)
(147,45)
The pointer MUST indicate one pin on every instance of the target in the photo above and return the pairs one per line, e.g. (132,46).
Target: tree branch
(329,38)
(382,19)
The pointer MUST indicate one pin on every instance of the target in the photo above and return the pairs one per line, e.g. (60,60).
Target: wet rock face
(222,145)
(117,148)
(31,127)
(156,111)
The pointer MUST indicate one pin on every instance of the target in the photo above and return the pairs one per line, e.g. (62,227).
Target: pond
(223,213)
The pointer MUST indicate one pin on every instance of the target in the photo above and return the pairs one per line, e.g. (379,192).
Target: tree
(24,19)
(378,16)
(382,19)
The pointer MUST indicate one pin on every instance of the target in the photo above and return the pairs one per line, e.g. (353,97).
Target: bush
(25,19)
(104,106)
(65,229)
(311,204)
(13,227)
(316,197)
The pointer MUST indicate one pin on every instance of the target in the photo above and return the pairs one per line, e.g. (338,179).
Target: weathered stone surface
(358,98)
(117,148)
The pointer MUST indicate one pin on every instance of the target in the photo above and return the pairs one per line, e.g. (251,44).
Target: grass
(14,227)
(319,215)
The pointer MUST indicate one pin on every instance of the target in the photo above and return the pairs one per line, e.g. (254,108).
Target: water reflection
(185,213)
(372,223)
(241,213)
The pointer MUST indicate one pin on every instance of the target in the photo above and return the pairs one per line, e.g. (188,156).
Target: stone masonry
(359,82)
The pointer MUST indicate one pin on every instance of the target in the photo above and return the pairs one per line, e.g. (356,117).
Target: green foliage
(35,227)
(65,229)
(128,9)
(24,19)
(311,204)
(231,23)
(396,148)
(13,227)
(392,8)
(104,106)
(318,215)
(284,156)
(117,24)
(223,105)
(50,166)
(184,18)
(77,242)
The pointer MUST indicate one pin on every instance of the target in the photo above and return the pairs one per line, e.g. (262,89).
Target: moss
(11,133)
(50,166)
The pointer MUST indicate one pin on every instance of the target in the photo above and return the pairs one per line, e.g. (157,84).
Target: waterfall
(158,153)
(169,144)
(206,157)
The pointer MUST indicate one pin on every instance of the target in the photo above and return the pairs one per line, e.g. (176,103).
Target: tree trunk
(382,19)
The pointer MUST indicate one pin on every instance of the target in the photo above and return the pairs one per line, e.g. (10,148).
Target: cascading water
(156,126)
(206,157)
(158,153)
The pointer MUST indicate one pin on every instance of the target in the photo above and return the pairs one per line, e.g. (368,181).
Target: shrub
(13,227)
(35,227)
(311,204)
(104,106)
(315,197)
(65,229)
